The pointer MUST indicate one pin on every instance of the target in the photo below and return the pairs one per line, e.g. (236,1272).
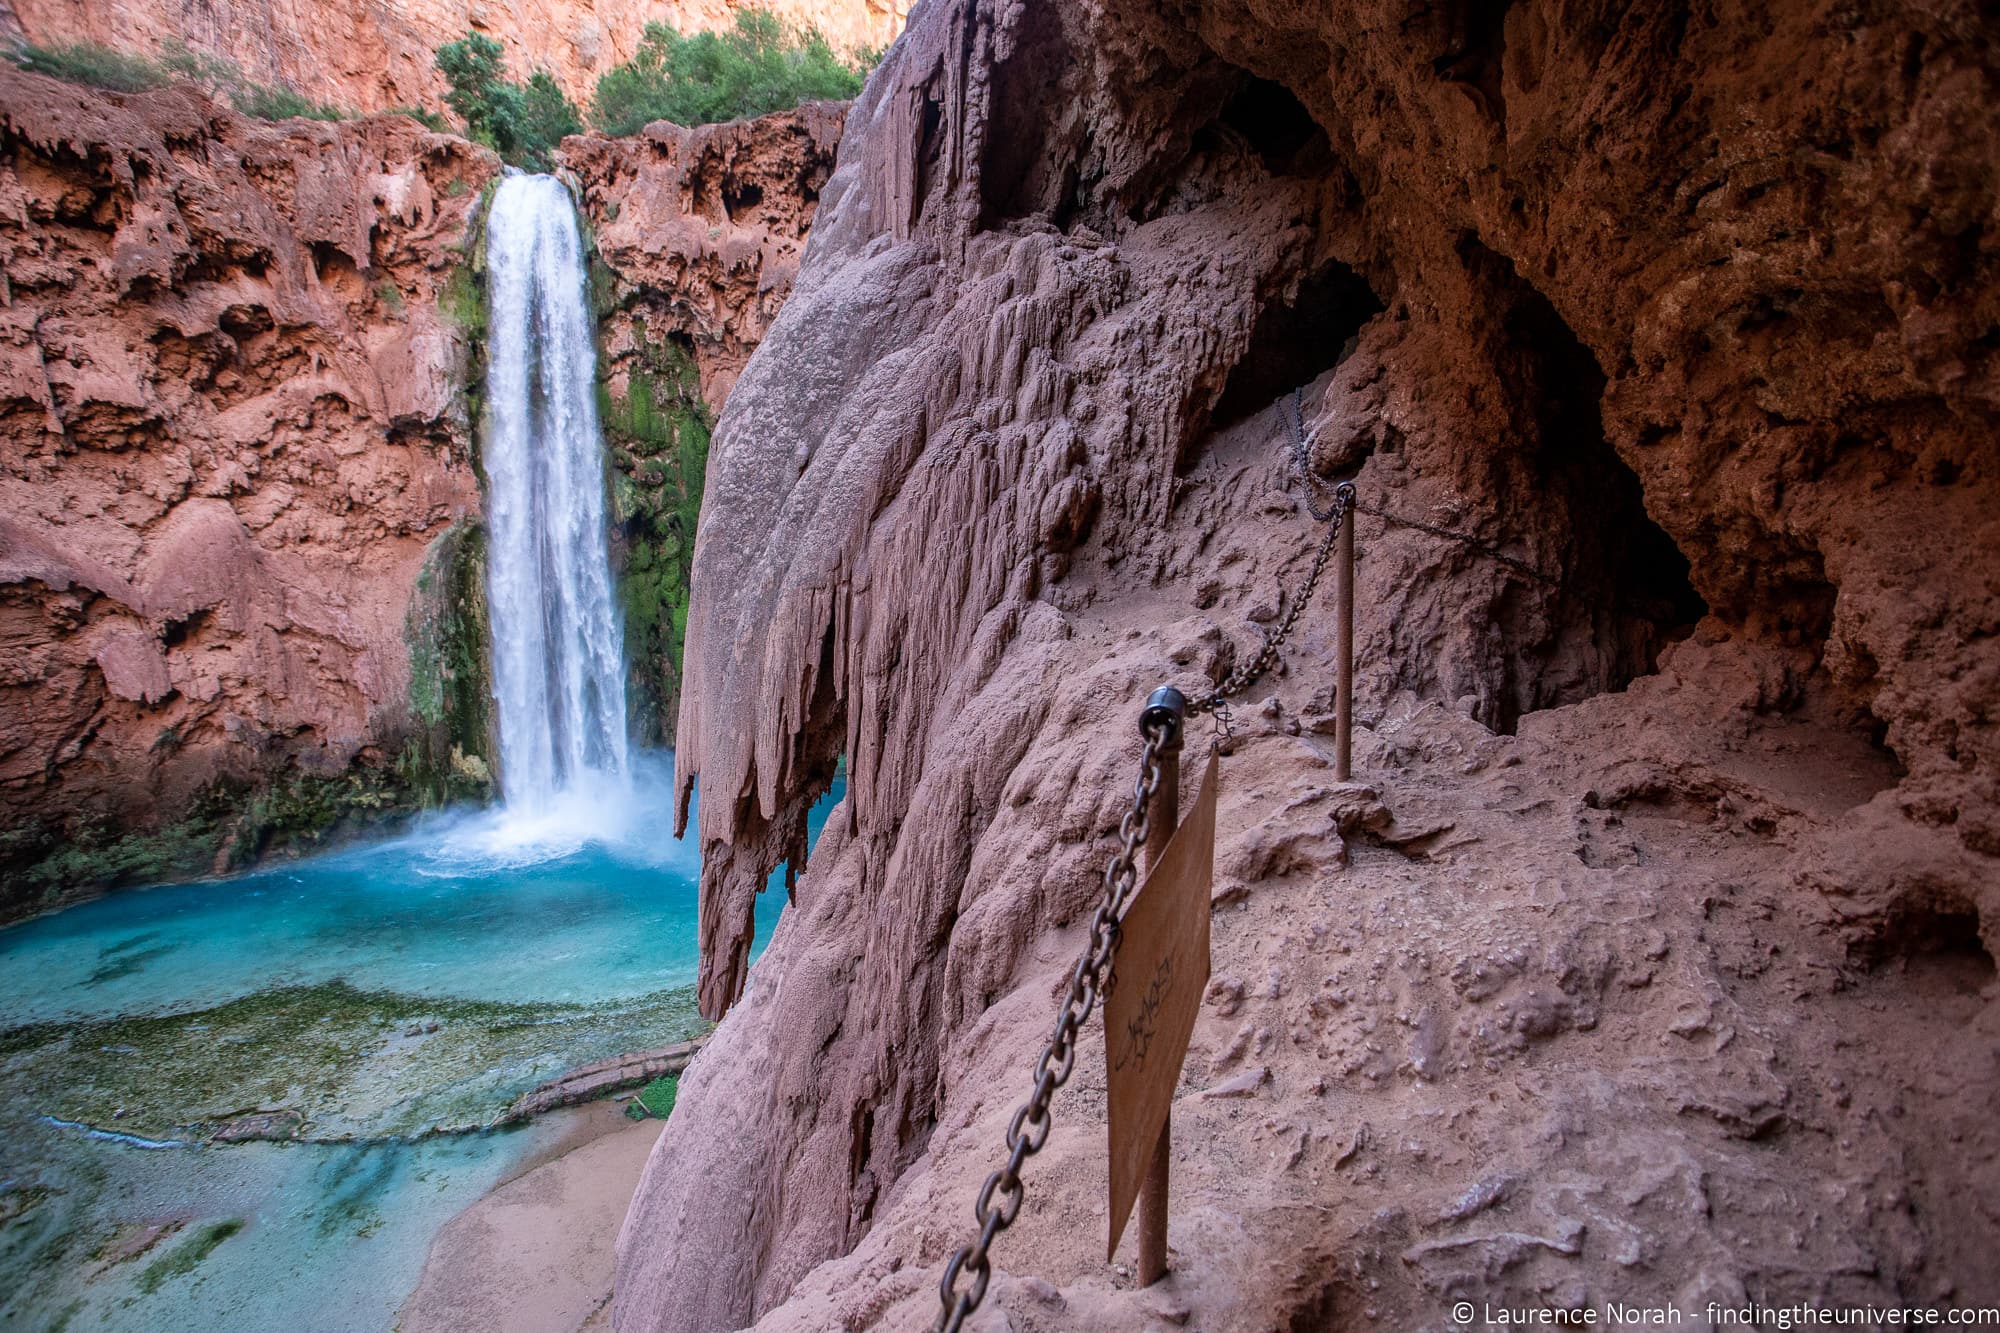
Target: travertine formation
(1651,959)
(232,425)
(376,55)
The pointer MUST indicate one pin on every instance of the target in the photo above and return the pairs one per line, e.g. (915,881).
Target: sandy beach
(535,1255)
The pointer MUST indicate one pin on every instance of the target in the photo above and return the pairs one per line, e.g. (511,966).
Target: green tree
(521,123)
(547,115)
(754,68)
(490,106)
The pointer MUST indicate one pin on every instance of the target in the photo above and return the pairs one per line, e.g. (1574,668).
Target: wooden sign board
(1162,972)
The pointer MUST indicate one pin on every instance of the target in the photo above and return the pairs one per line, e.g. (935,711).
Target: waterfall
(558,652)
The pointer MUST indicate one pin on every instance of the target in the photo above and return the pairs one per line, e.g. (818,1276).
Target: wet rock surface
(1654,962)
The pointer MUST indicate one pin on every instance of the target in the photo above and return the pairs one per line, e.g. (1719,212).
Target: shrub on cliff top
(125,72)
(97,66)
(757,67)
(521,122)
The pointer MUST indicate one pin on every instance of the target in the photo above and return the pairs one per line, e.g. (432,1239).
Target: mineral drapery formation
(1652,960)
(374,56)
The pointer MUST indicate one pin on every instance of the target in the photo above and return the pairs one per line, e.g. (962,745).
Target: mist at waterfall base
(397,996)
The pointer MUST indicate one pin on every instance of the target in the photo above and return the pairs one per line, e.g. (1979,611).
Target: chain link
(1248,674)
(1302,460)
(1000,1197)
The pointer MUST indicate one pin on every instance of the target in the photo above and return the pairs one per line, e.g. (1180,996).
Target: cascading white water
(558,669)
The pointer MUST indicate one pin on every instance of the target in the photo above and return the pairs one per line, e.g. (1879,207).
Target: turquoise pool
(338,1013)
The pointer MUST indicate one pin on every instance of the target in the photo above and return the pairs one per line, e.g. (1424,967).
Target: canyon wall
(232,428)
(697,235)
(377,54)
(1652,957)
(241,573)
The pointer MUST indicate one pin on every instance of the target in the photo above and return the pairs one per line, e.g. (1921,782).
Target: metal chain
(1246,675)
(1000,1198)
(1301,459)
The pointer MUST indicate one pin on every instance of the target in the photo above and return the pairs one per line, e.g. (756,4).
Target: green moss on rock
(464,304)
(447,632)
(658,432)
(462,300)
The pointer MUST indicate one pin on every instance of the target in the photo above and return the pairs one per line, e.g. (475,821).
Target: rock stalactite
(1659,342)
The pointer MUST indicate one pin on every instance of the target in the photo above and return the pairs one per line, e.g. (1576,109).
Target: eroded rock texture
(378,55)
(230,426)
(1652,957)
(700,231)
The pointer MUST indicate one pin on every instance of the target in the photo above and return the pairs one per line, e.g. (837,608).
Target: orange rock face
(701,231)
(370,57)
(230,426)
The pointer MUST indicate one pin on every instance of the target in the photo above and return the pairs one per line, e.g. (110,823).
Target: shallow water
(373,994)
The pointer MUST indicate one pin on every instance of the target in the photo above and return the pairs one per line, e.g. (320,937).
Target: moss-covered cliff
(657,430)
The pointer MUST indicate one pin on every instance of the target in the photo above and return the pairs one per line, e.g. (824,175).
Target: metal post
(1161,821)
(1343,756)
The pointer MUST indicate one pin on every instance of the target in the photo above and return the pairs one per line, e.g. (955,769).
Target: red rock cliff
(701,231)
(240,511)
(1653,959)
(378,55)
(232,426)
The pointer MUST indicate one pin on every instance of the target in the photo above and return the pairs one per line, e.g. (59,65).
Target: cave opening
(739,197)
(1624,590)
(1937,930)
(1296,341)
(1278,128)
(180,629)
(1032,167)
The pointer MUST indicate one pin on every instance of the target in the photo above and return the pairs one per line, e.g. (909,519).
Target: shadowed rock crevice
(1296,339)
(1623,585)
(1029,165)
(1278,128)
(1929,921)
